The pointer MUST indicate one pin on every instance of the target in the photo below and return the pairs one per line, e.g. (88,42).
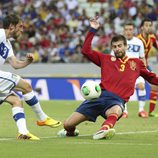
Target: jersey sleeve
(2,35)
(87,51)
(147,75)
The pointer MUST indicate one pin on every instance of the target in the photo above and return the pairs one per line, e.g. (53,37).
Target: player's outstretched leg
(43,119)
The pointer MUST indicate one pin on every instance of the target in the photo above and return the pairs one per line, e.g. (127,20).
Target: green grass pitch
(135,137)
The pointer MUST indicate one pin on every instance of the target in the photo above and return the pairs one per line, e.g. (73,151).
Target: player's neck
(123,59)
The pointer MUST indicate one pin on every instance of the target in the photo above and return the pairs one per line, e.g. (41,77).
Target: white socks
(19,117)
(33,102)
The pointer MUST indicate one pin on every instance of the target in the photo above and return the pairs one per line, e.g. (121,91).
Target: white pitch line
(107,143)
(136,132)
(84,135)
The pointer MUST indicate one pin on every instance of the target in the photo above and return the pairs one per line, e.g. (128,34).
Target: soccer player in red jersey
(149,41)
(118,77)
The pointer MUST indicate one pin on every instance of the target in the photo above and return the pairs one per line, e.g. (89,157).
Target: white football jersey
(135,48)
(6,49)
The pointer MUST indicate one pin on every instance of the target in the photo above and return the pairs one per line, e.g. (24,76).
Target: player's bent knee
(114,110)
(28,87)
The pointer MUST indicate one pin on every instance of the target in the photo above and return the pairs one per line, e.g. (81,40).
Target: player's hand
(29,57)
(94,22)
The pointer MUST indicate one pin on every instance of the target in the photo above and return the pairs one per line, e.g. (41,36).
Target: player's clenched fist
(30,57)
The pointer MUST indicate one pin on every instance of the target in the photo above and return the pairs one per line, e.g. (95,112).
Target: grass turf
(135,137)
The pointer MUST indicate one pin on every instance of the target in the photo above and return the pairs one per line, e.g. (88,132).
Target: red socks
(109,122)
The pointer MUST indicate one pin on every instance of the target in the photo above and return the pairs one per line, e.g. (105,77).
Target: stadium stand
(55,29)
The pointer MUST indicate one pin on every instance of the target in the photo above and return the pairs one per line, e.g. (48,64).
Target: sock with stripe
(109,122)
(33,102)
(19,117)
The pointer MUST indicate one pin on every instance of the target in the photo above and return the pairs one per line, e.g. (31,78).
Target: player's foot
(152,114)
(104,134)
(27,136)
(63,133)
(125,115)
(49,122)
(143,114)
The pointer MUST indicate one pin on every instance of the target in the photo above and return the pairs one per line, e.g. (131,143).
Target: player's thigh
(75,119)
(116,109)
(23,86)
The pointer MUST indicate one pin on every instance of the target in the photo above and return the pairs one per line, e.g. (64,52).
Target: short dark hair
(129,23)
(13,19)
(145,20)
(117,38)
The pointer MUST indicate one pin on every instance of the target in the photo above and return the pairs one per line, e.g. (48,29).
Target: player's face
(147,27)
(18,29)
(128,31)
(119,49)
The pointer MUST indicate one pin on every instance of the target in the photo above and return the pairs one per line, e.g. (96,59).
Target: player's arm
(87,51)
(147,75)
(18,64)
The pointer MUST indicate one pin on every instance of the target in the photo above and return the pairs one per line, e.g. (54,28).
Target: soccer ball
(90,90)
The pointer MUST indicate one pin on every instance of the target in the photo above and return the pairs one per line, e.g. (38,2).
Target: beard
(119,54)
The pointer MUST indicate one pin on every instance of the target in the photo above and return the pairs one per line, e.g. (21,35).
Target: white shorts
(140,80)
(7,82)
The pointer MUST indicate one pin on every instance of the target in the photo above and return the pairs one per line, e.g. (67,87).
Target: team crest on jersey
(133,65)
(113,59)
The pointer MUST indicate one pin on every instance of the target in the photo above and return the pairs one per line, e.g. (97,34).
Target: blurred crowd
(55,29)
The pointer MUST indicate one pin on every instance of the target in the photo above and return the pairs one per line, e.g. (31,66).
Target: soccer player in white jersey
(136,50)
(13,28)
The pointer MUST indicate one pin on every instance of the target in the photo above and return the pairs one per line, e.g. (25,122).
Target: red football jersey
(148,44)
(117,75)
